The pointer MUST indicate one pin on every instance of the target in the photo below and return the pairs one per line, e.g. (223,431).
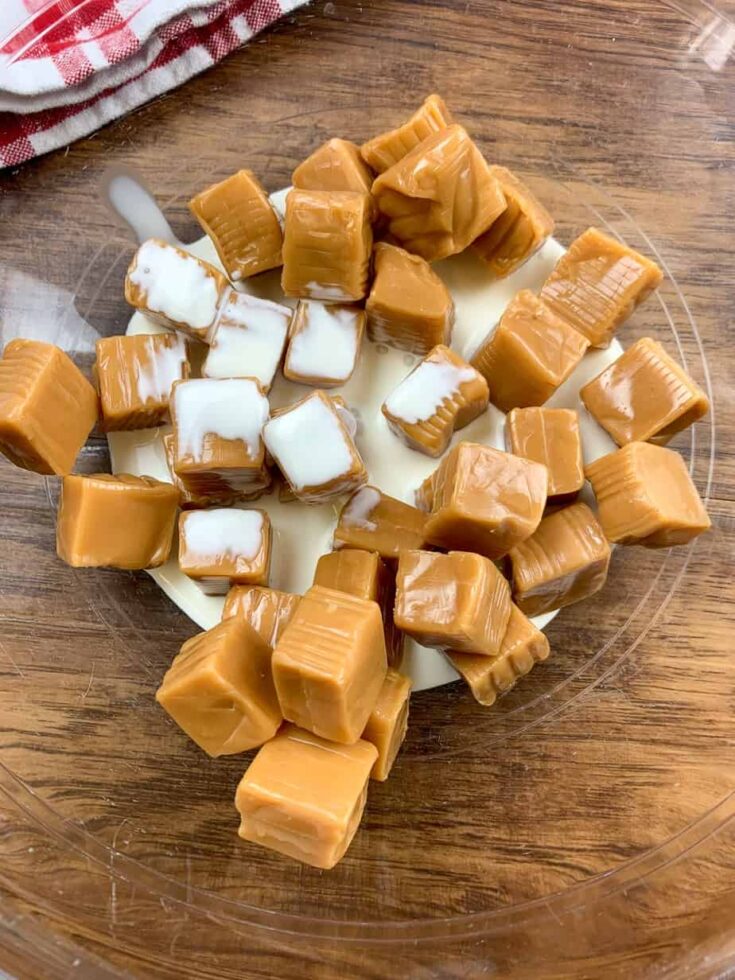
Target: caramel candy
(440,196)
(409,307)
(329,664)
(248,339)
(219,689)
(388,722)
(175,289)
(385,150)
(268,611)
(223,547)
(217,433)
(458,601)
(122,521)
(644,395)
(442,394)
(376,522)
(549,436)
(188,498)
(566,560)
(324,344)
(335,166)
(645,496)
(314,450)
(47,407)
(519,232)
(238,217)
(327,245)
(528,355)
(523,646)
(303,796)
(135,375)
(483,500)
(597,284)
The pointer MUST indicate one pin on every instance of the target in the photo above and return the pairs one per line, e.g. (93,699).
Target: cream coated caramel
(549,436)
(189,498)
(268,611)
(324,343)
(225,546)
(335,166)
(388,722)
(385,150)
(376,522)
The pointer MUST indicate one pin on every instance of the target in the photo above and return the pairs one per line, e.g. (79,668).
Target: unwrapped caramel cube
(388,722)
(175,289)
(646,496)
(549,436)
(519,232)
(223,547)
(383,151)
(528,355)
(119,521)
(335,166)
(644,396)
(484,500)
(248,339)
(190,499)
(376,522)
(47,407)
(327,245)
(218,440)
(303,796)
(440,197)
(597,284)
(268,611)
(238,217)
(324,344)
(458,601)
(135,375)
(329,664)
(314,449)
(442,394)
(523,646)
(219,690)
(566,560)
(409,307)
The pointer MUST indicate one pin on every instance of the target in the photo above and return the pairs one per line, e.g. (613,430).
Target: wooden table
(581,828)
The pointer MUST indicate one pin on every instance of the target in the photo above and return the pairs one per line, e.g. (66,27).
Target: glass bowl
(580,826)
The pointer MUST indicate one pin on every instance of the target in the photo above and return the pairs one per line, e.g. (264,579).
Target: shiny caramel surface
(216,572)
(268,611)
(549,436)
(377,522)
(388,722)
(335,166)
(385,150)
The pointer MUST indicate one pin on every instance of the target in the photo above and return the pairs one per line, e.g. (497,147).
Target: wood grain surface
(583,827)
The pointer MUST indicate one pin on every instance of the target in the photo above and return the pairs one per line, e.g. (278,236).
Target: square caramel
(238,217)
(385,150)
(484,500)
(304,796)
(388,722)
(219,690)
(324,343)
(645,496)
(597,284)
(268,611)
(644,395)
(335,166)
(376,522)
(119,521)
(549,436)
(440,395)
(135,375)
(458,601)
(225,546)
(47,407)
(189,499)
(327,245)
(329,664)
(529,354)
(566,560)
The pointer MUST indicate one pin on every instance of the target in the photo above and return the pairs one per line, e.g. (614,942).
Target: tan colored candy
(122,521)
(645,496)
(324,344)
(388,722)
(303,796)
(549,436)
(481,499)
(329,664)
(385,150)
(335,166)
(190,499)
(238,217)
(47,407)
(442,394)
(566,560)
(268,611)
(376,522)
(644,395)
(219,690)
(225,546)
(528,355)
(597,284)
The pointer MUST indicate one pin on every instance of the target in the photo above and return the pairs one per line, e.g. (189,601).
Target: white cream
(223,533)
(176,286)
(233,408)
(359,508)
(164,366)
(332,294)
(327,346)
(248,339)
(278,203)
(422,392)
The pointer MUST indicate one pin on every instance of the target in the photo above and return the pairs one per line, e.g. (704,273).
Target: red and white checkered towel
(68,67)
